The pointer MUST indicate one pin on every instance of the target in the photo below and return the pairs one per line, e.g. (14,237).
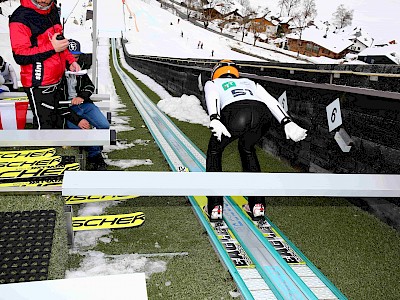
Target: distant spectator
(212,52)
(40,49)
(201,45)
(9,75)
(181,33)
(79,89)
(178,20)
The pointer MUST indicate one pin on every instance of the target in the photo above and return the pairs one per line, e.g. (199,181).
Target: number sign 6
(334,115)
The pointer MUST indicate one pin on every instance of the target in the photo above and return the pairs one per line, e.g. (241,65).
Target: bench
(102,102)
(126,183)
(19,95)
(57,137)
(98,287)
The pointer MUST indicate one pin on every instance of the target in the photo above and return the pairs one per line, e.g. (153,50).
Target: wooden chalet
(315,42)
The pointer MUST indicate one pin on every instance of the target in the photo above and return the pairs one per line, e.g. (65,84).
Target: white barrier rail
(228,183)
(57,137)
(102,102)
(98,287)
(10,95)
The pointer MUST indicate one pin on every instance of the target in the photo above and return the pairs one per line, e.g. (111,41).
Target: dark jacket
(84,88)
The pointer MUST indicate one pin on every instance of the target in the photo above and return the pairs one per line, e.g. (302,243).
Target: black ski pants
(45,105)
(248,121)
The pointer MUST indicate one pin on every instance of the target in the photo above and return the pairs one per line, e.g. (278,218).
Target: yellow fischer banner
(30,163)
(38,172)
(27,153)
(15,98)
(107,221)
(94,198)
(32,183)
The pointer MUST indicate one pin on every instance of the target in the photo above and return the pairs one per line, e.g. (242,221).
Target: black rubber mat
(26,238)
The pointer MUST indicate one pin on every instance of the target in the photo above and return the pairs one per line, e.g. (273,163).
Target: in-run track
(262,261)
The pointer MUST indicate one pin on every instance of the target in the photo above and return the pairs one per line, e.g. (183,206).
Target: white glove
(295,132)
(218,129)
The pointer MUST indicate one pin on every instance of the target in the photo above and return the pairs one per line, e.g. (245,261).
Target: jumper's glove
(1,90)
(218,129)
(295,132)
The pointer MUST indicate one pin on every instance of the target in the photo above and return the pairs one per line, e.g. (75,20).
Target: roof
(356,34)
(391,51)
(284,20)
(332,41)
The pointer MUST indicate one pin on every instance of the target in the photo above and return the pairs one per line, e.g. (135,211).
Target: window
(315,49)
(309,47)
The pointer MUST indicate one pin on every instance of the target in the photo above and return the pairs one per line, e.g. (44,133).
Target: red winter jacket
(30,29)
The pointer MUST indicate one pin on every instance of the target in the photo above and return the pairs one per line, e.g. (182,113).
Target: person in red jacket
(40,49)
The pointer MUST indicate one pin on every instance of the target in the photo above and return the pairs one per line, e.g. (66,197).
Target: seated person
(3,88)
(79,89)
(9,75)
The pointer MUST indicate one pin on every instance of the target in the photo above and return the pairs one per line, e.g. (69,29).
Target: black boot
(96,163)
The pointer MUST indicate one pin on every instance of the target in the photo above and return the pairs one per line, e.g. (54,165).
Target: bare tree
(225,6)
(256,28)
(190,6)
(289,6)
(207,12)
(248,14)
(244,3)
(343,17)
(306,13)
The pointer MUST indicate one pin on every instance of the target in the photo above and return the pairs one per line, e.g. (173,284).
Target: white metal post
(94,55)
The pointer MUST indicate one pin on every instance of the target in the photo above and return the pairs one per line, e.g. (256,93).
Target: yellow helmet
(224,67)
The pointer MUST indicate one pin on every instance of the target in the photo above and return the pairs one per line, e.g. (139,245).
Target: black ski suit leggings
(246,120)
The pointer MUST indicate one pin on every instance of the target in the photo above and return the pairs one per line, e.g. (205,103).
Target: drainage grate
(26,238)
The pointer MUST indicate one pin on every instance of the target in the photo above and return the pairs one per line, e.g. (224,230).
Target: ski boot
(257,213)
(216,213)
(96,163)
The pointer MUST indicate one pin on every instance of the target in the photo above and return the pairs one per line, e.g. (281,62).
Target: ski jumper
(246,110)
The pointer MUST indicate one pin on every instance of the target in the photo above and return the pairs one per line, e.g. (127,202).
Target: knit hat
(74,47)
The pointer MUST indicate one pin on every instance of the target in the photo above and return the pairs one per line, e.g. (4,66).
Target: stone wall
(373,122)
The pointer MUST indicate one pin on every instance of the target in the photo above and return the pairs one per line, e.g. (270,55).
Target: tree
(207,12)
(306,13)
(289,6)
(248,14)
(190,6)
(256,29)
(343,17)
